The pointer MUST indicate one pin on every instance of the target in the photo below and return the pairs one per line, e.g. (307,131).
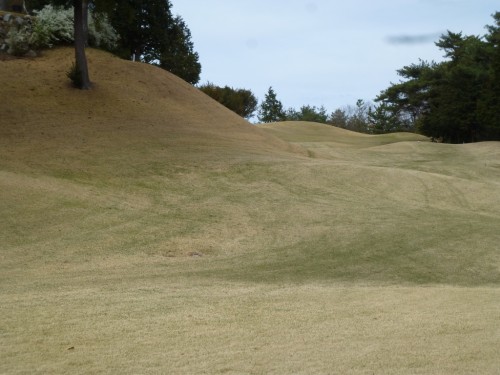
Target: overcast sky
(322,52)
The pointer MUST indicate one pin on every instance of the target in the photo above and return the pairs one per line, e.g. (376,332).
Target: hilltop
(132,106)
(301,132)
(147,229)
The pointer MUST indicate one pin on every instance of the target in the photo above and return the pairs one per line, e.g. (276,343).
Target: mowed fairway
(144,228)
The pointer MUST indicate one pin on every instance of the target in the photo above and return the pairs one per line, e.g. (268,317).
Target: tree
(489,103)
(32,5)
(80,25)
(457,100)
(456,90)
(358,117)
(307,113)
(79,73)
(179,56)
(409,100)
(141,25)
(271,109)
(383,119)
(338,118)
(242,102)
(150,33)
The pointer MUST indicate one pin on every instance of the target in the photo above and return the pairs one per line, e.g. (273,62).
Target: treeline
(454,101)
(363,117)
(457,100)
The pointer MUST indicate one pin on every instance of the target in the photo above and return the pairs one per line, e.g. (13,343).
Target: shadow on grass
(383,258)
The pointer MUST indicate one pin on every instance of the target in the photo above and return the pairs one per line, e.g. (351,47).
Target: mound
(135,112)
(305,132)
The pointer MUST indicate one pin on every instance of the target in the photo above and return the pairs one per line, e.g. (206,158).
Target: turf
(147,229)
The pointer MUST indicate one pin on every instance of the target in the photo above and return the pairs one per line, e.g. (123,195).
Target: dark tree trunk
(81,60)
(85,10)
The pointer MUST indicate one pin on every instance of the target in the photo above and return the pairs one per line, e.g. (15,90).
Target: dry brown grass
(132,107)
(147,229)
(147,321)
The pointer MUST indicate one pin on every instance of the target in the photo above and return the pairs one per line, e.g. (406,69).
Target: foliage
(142,26)
(308,113)
(355,118)
(33,5)
(101,32)
(145,31)
(271,109)
(53,25)
(358,117)
(383,119)
(150,33)
(489,103)
(339,118)
(242,102)
(18,40)
(456,100)
(179,56)
(407,100)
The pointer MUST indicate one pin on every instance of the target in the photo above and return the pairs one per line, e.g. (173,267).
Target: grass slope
(147,229)
(132,108)
(302,131)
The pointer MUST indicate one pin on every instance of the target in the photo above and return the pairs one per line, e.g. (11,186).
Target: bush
(242,102)
(18,40)
(54,25)
(101,33)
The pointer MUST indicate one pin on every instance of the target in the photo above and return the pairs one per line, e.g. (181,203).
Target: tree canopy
(150,33)
(458,99)
(241,101)
(271,109)
(307,113)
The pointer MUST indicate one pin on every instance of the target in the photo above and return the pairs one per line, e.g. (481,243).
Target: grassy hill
(306,132)
(147,229)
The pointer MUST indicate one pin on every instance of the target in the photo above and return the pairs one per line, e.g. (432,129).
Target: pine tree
(150,33)
(178,56)
(457,100)
(271,109)
(489,103)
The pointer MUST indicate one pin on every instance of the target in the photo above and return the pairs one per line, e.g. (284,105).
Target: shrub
(242,102)
(54,25)
(101,33)
(18,40)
